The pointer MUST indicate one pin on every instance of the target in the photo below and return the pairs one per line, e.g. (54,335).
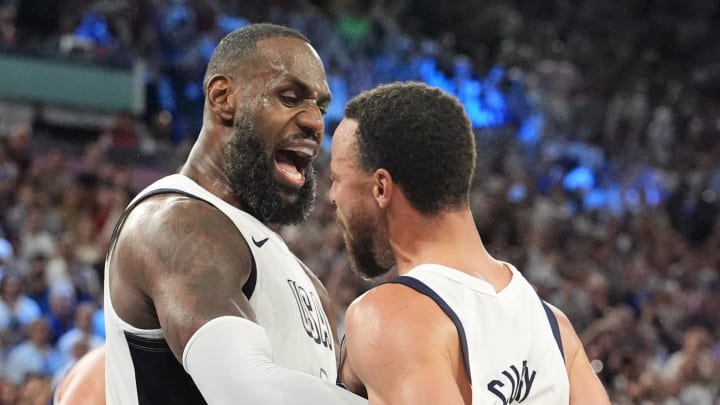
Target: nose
(331,195)
(311,121)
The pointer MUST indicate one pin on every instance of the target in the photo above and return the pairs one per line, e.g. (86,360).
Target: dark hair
(422,136)
(238,46)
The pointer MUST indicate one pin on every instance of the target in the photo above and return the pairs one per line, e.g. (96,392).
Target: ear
(219,98)
(383,187)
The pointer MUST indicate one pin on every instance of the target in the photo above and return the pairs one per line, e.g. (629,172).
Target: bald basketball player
(203,302)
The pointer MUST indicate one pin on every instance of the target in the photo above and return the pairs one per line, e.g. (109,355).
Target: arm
(193,266)
(401,349)
(585,387)
(178,263)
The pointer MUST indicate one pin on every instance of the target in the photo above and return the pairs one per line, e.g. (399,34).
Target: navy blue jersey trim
(422,288)
(554,326)
(249,286)
(341,362)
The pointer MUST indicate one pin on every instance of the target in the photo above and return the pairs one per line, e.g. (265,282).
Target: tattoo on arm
(203,262)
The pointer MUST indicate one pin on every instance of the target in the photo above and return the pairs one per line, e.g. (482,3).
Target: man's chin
(371,275)
(369,269)
(292,210)
(289,195)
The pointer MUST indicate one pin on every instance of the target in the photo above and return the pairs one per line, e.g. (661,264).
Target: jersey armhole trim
(422,288)
(554,326)
(249,288)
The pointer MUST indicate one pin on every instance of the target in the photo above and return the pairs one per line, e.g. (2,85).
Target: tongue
(288,170)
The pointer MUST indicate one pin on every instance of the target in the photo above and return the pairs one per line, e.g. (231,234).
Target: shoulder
(564,323)
(178,234)
(570,340)
(394,313)
(174,221)
(173,212)
(398,337)
(85,382)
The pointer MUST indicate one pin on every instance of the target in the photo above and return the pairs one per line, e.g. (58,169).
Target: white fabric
(243,369)
(507,332)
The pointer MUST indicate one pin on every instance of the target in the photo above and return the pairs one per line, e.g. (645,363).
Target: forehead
(286,57)
(344,143)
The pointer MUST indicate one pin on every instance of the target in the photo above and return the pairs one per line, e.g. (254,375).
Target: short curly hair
(422,136)
(239,46)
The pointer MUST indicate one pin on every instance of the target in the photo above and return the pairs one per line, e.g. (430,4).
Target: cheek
(343,212)
(344,209)
(268,124)
(339,194)
(359,215)
(352,204)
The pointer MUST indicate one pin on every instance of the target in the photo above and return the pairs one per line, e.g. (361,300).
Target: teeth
(302,150)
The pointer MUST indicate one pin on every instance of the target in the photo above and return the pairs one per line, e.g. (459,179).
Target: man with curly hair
(457,326)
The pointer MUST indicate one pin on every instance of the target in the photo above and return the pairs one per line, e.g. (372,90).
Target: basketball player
(203,302)
(457,326)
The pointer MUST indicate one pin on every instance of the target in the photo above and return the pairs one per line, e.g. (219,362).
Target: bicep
(199,263)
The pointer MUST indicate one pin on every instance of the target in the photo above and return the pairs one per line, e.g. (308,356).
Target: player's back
(510,339)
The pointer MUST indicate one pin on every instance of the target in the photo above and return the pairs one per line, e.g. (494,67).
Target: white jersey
(140,369)
(510,339)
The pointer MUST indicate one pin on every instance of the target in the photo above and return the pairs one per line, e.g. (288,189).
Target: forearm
(230,358)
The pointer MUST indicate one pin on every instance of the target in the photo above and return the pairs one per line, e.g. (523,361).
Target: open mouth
(292,161)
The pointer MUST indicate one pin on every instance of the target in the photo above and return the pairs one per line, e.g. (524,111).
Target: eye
(290,98)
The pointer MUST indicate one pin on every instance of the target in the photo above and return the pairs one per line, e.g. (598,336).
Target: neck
(204,166)
(450,239)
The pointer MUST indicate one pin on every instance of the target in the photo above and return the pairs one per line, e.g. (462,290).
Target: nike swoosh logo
(259,243)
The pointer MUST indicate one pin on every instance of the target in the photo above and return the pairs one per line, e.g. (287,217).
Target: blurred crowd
(598,135)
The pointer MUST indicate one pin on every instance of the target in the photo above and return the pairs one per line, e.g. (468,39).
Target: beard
(250,171)
(368,250)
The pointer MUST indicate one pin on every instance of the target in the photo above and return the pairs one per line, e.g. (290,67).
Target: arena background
(598,133)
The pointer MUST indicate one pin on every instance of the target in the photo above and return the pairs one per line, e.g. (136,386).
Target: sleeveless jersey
(510,339)
(141,369)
